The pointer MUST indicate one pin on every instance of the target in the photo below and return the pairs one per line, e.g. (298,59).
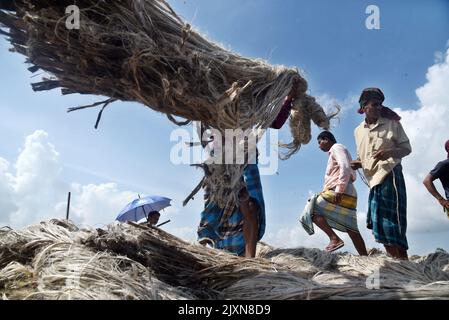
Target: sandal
(335,247)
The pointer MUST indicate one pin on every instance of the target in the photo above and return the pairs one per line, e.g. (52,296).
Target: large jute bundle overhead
(58,260)
(140,50)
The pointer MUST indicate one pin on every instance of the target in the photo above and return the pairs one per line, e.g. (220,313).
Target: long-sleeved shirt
(386,135)
(338,171)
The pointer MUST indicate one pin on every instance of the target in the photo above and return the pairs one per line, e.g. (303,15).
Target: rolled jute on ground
(58,260)
(142,51)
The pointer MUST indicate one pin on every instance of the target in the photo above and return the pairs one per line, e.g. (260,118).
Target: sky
(46,152)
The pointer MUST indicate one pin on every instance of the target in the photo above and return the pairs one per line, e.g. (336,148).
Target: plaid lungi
(387,210)
(339,217)
(227,234)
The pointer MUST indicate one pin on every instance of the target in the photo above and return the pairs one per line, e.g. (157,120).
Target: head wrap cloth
(375,94)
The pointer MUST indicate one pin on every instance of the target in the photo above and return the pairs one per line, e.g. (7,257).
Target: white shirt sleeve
(345,172)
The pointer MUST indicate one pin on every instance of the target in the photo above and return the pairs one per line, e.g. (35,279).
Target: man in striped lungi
(381,145)
(335,207)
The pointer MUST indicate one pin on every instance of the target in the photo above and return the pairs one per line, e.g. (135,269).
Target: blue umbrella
(141,207)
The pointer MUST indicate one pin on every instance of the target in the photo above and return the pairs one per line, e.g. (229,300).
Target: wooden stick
(68,206)
(161,224)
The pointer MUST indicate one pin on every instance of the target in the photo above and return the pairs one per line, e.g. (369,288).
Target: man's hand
(382,155)
(244,195)
(338,196)
(444,203)
(356,164)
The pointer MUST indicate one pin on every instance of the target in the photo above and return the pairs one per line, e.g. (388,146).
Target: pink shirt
(338,171)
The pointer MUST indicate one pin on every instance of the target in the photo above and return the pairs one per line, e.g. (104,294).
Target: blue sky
(327,40)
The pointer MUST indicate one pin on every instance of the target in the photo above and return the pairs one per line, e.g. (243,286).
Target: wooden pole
(68,207)
(161,224)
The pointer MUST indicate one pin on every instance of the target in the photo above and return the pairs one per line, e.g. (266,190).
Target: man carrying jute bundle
(238,229)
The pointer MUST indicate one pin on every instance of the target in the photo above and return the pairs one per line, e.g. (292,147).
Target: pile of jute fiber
(58,260)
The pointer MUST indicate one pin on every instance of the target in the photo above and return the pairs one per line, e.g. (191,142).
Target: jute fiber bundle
(140,50)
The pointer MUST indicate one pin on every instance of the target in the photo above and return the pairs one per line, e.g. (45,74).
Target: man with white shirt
(335,207)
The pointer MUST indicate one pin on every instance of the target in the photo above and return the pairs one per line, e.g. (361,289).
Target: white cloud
(295,236)
(427,128)
(7,203)
(438,57)
(329,102)
(36,191)
(186,233)
(98,205)
(35,188)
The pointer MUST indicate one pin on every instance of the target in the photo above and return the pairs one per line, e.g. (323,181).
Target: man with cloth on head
(381,144)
